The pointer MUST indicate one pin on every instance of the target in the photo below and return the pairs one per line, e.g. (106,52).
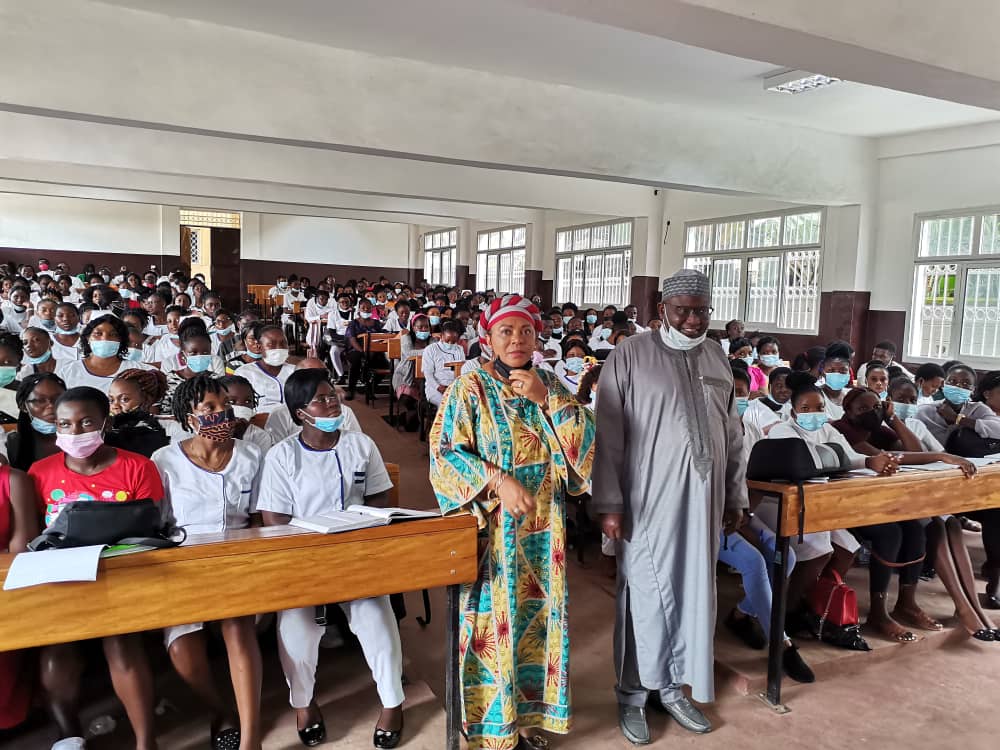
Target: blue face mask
(29,360)
(748,360)
(956,395)
(882,395)
(48,325)
(741,405)
(7,375)
(253,355)
(134,355)
(435,320)
(199,362)
(422,335)
(770,360)
(812,421)
(904,411)
(837,380)
(42,427)
(574,364)
(125,293)
(328,424)
(591,319)
(224,331)
(105,349)
(605,333)
(567,319)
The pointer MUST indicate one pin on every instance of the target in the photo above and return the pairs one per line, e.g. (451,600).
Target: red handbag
(833,601)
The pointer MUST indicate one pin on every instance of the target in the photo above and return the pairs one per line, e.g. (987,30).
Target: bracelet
(494,494)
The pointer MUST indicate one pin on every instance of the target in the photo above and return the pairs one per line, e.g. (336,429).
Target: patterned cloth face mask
(217,426)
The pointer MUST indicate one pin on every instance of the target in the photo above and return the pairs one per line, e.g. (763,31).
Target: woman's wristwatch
(958,420)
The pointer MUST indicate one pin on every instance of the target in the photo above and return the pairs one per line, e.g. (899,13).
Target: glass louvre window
(594,264)
(440,253)
(501,259)
(956,288)
(778,289)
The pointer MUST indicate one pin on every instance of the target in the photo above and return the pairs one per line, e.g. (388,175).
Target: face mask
(28,359)
(882,395)
(244,412)
(224,331)
(253,355)
(399,289)
(605,333)
(7,375)
(373,300)
(741,405)
(365,315)
(837,380)
(199,362)
(48,325)
(217,426)
(591,319)
(327,424)
(42,427)
(574,364)
(567,319)
(870,420)
(677,340)
(904,411)
(276,357)
(19,308)
(125,293)
(557,331)
(811,421)
(282,285)
(633,318)
(423,335)
(435,320)
(83,445)
(104,349)
(134,355)
(770,360)
(748,360)
(956,395)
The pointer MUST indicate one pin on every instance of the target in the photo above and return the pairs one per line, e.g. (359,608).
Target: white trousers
(371,620)
(336,359)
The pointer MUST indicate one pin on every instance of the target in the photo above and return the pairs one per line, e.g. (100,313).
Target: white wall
(318,240)
(920,183)
(49,223)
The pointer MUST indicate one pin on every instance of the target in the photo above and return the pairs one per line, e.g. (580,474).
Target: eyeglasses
(40,402)
(686,312)
(332,400)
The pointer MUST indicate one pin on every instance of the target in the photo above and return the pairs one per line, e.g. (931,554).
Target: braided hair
(229,380)
(191,392)
(151,383)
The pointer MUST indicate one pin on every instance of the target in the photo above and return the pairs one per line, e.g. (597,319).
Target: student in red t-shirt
(86,469)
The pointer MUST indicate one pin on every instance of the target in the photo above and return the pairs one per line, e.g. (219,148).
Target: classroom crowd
(141,385)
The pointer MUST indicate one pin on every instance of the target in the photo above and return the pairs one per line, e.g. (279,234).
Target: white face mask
(276,357)
(244,412)
(677,340)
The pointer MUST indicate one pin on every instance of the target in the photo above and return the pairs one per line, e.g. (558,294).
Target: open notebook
(359,517)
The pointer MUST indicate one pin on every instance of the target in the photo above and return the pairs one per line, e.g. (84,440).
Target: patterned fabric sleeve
(459,473)
(575,426)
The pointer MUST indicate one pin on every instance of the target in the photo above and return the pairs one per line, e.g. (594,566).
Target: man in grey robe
(668,474)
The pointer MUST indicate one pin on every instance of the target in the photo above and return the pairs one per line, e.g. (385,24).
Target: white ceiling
(503,37)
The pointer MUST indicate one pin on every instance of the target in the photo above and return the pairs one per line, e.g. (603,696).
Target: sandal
(984,634)
(919,619)
(226,739)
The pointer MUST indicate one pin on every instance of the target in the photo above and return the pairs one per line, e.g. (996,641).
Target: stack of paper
(53,566)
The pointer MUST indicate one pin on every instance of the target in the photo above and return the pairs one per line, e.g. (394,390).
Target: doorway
(210,245)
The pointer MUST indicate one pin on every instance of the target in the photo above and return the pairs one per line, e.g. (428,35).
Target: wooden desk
(247,572)
(456,367)
(860,501)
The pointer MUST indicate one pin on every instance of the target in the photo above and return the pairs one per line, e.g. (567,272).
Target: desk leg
(779,595)
(452,681)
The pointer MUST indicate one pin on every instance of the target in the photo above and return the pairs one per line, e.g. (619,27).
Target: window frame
(625,250)
(499,252)
(745,253)
(963,264)
(440,252)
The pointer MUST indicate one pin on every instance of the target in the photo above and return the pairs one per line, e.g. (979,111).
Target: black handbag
(86,523)
(967,443)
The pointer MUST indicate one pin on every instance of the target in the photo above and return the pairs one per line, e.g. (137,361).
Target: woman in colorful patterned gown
(508,444)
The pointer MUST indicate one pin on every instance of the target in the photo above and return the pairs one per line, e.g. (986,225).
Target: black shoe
(227,739)
(313,734)
(985,634)
(794,667)
(632,721)
(386,740)
(990,601)
(747,630)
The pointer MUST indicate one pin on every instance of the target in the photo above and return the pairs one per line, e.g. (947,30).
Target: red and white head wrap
(510,306)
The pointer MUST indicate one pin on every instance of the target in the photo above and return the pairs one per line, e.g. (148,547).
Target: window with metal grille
(764,268)
(593,264)
(956,287)
(195,218)
(440,251)
(500,259)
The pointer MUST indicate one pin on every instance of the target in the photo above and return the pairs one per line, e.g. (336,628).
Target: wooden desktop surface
(864,501)
(239,573)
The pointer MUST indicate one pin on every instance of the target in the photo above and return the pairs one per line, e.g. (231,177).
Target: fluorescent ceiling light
(797,81)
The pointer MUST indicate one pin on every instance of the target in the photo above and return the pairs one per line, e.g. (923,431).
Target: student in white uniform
(11,354)
(399,319)
(104,343)
(570,368)
(37,352)
(809,421)
(928,378)
(268,374)
(194,358)
(210,486)
(66,336)
(320,470)
(279,424)
(770,409)
(885,353)
(169,343)
(16,310)
(243,400)
(337,323)
(436,359)
(836,380)
(317,315)
(905,402)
